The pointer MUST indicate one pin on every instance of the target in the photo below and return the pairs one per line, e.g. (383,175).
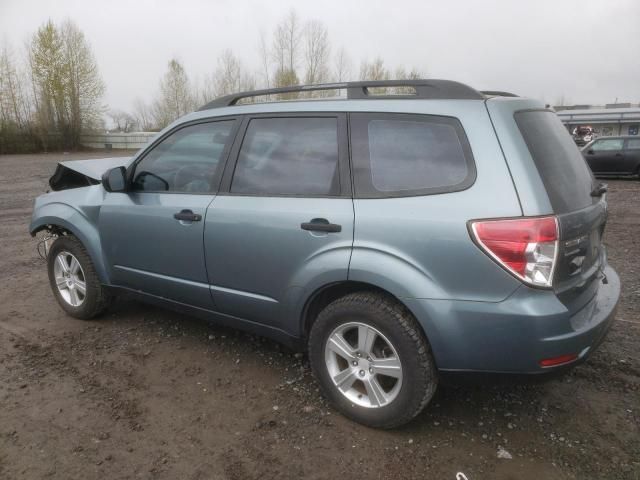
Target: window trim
(454,122)
(224,157)
(344,174)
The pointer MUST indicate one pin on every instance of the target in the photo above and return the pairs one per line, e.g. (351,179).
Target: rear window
(563,170)
(403,155)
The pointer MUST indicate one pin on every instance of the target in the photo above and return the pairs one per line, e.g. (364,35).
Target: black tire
(95,299)
(397,324)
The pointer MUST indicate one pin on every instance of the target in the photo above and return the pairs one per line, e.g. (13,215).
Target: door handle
(187,216)
(321,225)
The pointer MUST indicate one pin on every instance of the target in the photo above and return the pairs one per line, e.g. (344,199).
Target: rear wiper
(599,190)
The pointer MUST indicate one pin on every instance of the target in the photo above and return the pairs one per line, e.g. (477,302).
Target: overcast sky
(586,51)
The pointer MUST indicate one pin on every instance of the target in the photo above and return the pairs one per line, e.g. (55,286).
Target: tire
(348,318)
(94,300)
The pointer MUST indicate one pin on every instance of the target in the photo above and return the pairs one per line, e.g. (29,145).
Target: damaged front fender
(76,212)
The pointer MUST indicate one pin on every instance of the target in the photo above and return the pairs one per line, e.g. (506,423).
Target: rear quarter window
(562,168)
(398,155)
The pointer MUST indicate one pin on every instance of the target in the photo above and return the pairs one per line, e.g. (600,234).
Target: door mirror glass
(114,180)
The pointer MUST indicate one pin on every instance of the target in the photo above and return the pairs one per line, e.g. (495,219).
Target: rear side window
(633,144)
(288,156)
(561,166)
(403,155)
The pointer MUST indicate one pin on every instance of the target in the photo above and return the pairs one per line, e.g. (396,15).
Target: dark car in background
(613,156)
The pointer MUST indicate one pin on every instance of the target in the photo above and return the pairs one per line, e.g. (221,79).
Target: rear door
(283,218)
(581,216)
(606,155)
(632,155)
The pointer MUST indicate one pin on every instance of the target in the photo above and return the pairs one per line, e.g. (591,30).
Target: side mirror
(590,151)
(114,180)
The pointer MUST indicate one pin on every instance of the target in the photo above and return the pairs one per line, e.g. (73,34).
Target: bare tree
(143,115)
(374,70)
(286,50)
(342,66)
(263,50)
(316,52)
(16,128)
(176,98)
(402,74)
(123,121)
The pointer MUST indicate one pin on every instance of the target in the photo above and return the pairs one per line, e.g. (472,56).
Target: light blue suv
(398,231)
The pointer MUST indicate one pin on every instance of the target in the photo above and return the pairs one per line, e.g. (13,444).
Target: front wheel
(73,279)
(372,360)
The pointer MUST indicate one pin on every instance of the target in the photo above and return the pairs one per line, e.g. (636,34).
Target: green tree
(176,98)
(66,83)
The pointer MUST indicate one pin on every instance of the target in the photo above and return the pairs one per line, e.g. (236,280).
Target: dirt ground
(146,393)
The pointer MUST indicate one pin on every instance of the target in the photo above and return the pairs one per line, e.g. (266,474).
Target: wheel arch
(326,294)
(67,220)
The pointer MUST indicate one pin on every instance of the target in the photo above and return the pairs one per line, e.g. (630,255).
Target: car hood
(95,167)
(80,173)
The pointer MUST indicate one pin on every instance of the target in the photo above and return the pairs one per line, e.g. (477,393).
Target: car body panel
(525,176)
(259,259)
(434,256)
(147,249)
(512,336)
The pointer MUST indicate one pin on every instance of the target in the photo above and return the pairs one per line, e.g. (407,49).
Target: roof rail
(497,93)
(425,89)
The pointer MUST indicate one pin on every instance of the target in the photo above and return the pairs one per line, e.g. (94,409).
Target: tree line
(54,92)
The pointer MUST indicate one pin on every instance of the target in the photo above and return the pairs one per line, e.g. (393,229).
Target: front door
(283,220)
(152,235)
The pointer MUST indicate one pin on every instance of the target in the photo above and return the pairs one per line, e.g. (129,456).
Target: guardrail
(117,141)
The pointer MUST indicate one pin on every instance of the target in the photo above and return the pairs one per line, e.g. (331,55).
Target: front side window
(288,156)
(187,161)
(399,154)
(607,144)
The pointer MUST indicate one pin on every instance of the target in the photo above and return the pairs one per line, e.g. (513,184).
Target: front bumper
(512,336)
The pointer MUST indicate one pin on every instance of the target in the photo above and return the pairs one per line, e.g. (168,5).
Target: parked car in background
(393,236)
(614,156)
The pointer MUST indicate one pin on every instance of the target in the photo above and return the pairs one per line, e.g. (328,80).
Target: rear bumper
(512,336)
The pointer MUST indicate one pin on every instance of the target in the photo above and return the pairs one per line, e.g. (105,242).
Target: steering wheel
(193,178)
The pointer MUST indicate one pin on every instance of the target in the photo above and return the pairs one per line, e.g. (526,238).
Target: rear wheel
(73,279)
(372,360)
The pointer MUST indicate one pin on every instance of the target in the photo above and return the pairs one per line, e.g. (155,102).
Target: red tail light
(527,247)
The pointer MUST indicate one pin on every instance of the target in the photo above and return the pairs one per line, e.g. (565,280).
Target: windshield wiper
(599,190)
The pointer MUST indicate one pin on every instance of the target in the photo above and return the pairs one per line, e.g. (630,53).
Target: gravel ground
(146,393)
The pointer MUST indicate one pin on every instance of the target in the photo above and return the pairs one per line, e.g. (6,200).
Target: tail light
(526,247)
